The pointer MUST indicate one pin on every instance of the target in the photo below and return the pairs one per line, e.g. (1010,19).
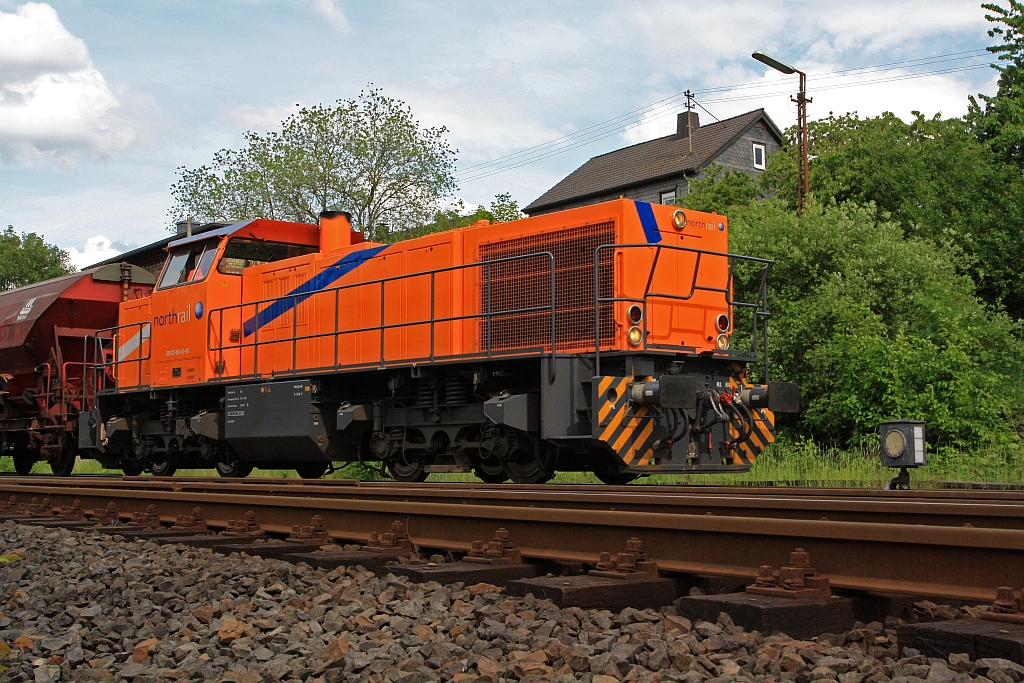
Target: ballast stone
(95,604)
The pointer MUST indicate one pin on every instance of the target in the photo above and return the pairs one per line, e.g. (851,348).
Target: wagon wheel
(529,466)
(64,464)
(310,470)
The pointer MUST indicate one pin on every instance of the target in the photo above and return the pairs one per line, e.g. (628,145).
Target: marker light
(636,314)
(722,323)
(635,335)
(679,219)
(722,342)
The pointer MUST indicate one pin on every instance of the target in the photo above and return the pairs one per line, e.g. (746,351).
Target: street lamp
(803,183)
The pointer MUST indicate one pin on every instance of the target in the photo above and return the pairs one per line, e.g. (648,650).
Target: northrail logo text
(174,317)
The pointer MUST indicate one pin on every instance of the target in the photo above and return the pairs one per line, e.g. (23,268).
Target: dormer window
(759,160)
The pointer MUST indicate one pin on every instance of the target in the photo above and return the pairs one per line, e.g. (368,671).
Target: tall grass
(785,463)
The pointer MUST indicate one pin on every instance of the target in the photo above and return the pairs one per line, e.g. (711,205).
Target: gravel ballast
(89,607)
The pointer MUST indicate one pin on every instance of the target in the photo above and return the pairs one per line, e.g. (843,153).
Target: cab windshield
(189,263)
(243,252)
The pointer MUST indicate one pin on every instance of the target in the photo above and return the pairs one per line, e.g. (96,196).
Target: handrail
(107,339)
(299,297)
(759,306)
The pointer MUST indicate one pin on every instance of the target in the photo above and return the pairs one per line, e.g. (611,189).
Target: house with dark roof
(659,171)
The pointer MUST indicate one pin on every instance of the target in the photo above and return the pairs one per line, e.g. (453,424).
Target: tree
(27,258)
(1000,122)
(367,156)
(876,325)
(933,177)
(504,209)
(717,191)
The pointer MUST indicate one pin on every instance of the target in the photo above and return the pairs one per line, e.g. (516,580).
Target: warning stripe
(602,389)
(629,430)
(762,434)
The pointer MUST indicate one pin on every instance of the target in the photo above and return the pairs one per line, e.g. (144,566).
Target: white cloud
(258,119)
(333,13)
(54,104)
(97,249)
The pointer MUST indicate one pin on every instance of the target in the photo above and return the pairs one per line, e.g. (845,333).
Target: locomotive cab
(201,274)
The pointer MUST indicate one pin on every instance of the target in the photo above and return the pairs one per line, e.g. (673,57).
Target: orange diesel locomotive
(596,339)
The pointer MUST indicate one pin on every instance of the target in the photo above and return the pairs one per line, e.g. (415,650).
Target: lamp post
(801,99)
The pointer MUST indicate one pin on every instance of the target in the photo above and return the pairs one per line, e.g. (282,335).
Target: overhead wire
(614,126)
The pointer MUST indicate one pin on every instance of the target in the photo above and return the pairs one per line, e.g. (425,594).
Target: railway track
(947,543)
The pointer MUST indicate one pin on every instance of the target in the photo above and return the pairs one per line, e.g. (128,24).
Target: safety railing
(290,302)
(758,307)
(110,350)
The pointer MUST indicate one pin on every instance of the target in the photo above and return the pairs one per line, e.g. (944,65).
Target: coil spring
(425,394)
(456,390)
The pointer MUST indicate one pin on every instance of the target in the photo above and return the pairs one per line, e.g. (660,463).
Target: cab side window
(189,263)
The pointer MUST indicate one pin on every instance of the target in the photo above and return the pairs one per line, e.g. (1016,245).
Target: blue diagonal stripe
(648,221)
(327,276)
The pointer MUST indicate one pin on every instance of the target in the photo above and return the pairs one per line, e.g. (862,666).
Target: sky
(101,102)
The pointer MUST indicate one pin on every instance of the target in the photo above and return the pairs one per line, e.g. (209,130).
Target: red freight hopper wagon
(602,338)
(43,328)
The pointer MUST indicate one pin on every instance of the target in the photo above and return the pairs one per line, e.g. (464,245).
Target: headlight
(636,335)
(679,219)
(722,342)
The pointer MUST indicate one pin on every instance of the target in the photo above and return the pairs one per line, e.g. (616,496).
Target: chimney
(686,123)
(336,230)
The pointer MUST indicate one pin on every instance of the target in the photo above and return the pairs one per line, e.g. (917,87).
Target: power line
(613,126)
(920,61)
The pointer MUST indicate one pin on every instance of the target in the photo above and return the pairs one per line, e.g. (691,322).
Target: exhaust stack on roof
(336,231)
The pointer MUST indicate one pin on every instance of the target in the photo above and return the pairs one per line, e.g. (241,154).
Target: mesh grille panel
(525,283)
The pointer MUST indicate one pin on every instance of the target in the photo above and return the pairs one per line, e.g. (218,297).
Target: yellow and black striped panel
(763,434)
(628,429)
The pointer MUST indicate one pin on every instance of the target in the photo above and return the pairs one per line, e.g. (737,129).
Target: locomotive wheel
(233,467)
(491,474)
(23,463)
(65,464)
(524,467)
(309,470)
(615,478)
(162,468)
(402,471)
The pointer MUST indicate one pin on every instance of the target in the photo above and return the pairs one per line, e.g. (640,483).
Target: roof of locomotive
(218,232)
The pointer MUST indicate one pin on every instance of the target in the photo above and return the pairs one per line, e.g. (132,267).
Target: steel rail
(965,563)
(983,509)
